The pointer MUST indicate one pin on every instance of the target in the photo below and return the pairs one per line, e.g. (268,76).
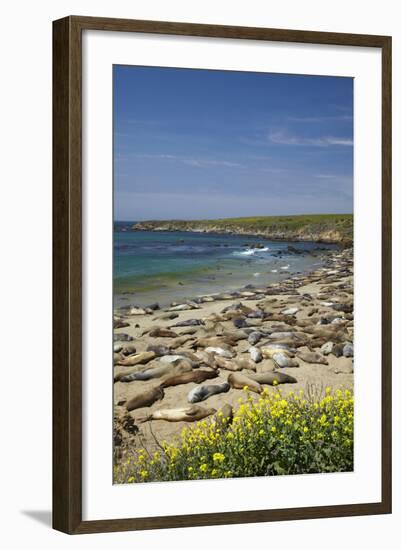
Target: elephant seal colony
(192,360)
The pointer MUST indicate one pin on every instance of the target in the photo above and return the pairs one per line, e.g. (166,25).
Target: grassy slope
(340,226)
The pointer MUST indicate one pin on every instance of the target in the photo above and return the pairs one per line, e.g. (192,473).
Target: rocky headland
(324,228)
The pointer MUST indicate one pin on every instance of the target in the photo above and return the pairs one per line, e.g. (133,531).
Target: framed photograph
(222,275)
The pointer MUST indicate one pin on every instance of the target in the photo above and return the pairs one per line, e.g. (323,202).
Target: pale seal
(137,359)
(282,360)
(201,393)
(189,414)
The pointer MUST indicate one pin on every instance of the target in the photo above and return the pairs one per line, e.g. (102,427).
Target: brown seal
(197,376)
(273,377)
(189,414)
(162,333)
(158,372)
(145,399)
(312,357)
(240,381)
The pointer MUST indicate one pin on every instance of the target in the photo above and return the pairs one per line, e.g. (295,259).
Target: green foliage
(269,435)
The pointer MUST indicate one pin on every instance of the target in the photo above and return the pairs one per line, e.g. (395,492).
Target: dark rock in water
(153,307)
(249,286)
(189,323)
(159,350)
(122,337)
(240,323)
(293,250)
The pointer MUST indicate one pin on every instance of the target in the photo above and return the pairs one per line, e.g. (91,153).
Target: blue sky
(194,144)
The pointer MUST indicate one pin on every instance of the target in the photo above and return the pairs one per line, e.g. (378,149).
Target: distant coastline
(324,228)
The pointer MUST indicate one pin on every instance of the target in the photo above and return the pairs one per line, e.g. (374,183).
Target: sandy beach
(310,313)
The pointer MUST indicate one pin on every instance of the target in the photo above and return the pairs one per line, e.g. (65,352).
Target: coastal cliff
(324,228)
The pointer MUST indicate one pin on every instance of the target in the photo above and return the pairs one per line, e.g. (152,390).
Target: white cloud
(189,161)
(282,138)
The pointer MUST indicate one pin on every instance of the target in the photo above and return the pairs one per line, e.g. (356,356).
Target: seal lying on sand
(201,393)
(197,376)
(145,399)
(239,381)
(282,360)
(226,364)
(137,359)
(162,333)
(312,357)
(272,377)
(189,414)
(157,372)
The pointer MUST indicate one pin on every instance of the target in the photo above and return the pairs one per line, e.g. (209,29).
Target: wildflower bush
(268,435)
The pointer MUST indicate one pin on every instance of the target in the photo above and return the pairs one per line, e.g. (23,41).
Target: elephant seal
(256,354)
(226,364)
(180,341)
(245,363)
(239,381)
(214,342)
(282,360)
(189,414)
(269,350)
(162,333)
(254,337)
(224,416)
(312,357)
(122,337)
(225,351)
(271,377)
(128,349)
(157,372)
(201,393)
(120,323)
(145,399)
(197,376)
(159,350)
(137,359)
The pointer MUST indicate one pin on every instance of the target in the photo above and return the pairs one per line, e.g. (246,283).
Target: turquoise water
(166,266)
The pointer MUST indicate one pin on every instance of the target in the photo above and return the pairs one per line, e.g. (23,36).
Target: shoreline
(317,296)
(237,265)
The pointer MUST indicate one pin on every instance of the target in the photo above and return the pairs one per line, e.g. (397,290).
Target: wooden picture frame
(67,273)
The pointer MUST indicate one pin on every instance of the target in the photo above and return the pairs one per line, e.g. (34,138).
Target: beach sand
(317,295)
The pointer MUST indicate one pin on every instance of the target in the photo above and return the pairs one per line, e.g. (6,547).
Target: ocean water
(166,266)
